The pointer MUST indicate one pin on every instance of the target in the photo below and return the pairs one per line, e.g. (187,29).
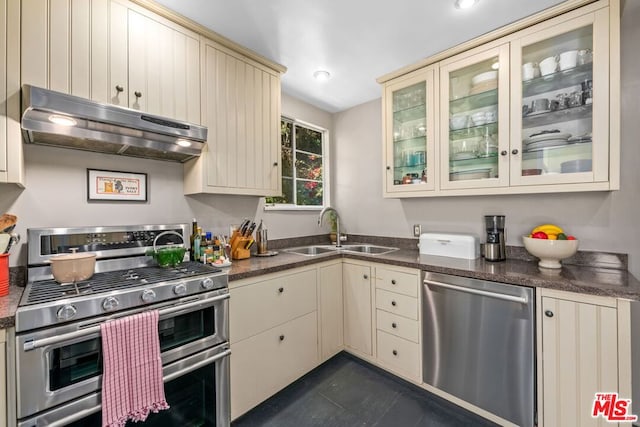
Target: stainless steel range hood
(63,120)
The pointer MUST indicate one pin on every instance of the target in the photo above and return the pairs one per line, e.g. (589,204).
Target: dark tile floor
(346,391)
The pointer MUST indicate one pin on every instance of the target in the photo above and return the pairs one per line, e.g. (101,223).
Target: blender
(494,248)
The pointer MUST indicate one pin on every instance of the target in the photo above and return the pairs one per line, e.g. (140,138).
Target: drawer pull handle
(281,337)
(548,313)
(395,353)
(138,94)
(365,277)
(393,325)
(393,282)
(393,303)
(119,88)
(281,289)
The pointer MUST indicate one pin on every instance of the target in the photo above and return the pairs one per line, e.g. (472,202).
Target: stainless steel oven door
(196,388)
(58,365)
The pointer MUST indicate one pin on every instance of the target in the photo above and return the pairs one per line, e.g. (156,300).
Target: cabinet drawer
(397,325)
(397,281)
(397,304)
(265,363)
(262,305)
(399,355)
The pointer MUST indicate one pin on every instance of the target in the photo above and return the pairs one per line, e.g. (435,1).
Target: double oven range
(57,354)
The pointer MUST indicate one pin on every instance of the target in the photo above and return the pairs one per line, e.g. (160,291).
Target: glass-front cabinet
(410,134)
(560,111)
(474,119)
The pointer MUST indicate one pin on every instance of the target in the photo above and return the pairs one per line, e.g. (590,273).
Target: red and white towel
(132,383)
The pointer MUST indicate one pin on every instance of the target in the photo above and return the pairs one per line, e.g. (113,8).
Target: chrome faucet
(325,210)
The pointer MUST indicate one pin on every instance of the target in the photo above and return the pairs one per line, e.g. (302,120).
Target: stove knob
(67,312)
(207,283)
(148,295)
(180,289)
(110,303)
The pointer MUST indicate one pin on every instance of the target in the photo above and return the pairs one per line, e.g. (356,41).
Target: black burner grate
(50,290)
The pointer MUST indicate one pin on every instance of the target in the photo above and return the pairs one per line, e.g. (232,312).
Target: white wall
(56,193)
(605,221)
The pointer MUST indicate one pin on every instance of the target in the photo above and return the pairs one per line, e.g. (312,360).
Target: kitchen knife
(250,230)
(243,226)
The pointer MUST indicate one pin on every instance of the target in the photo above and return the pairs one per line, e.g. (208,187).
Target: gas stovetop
(125,278)
(49,290)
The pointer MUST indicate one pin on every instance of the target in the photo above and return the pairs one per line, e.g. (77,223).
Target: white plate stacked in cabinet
(397,322)
(273,333)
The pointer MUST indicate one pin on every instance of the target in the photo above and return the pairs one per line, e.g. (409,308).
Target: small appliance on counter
(494,248)
(450,245)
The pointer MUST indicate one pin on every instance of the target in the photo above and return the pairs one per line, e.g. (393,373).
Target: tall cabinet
(241,108)
(11,159)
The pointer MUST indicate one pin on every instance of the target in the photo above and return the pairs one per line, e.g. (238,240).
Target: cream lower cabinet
(241,108)
(358,321)
(3,378)
(112,51)
(331,309)
(582,352)
(397,321)
(273,326)
(11,158)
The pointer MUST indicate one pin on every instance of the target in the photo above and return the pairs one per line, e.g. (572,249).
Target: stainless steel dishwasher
(478,344)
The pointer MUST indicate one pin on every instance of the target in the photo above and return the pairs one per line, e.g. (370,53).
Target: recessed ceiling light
(465,4)
(62,120)
(321,75)
(183,143)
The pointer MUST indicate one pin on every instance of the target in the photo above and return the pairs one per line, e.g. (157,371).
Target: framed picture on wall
(104,185)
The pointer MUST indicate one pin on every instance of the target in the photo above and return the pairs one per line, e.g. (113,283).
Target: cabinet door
(474,120)
(579,359)
(164,67)
(410,112)
(331,310)
(3,379)
(265,363)
(241,108)
(356,281)
(560,110)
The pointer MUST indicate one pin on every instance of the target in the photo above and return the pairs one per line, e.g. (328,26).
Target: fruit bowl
(550,252)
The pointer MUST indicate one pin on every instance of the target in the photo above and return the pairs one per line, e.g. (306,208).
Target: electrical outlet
(417,230)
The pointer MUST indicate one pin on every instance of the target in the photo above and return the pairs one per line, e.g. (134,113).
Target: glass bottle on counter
(192,240)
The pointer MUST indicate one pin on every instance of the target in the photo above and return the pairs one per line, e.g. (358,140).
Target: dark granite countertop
(602,281)
(572,278)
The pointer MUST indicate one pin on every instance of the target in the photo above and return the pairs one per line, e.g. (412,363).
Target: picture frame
(116,186)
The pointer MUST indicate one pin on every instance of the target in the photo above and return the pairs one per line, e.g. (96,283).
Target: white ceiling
(355,40)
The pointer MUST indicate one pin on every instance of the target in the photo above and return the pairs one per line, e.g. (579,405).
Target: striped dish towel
(132,383)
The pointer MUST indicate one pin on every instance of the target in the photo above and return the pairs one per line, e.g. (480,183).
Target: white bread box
(453,245)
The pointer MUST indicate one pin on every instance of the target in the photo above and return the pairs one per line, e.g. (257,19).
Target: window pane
(308,140)
(286,133)
(308,166)
(309,193)
(287,193)
(287,162)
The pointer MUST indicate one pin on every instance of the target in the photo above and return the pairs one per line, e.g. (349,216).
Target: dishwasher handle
(504,297)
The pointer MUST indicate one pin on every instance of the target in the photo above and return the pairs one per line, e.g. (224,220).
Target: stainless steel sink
(369,249)
(312,250)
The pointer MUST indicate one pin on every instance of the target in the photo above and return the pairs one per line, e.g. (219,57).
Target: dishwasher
(478,344)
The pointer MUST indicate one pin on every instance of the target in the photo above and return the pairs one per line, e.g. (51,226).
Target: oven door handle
(31,345)
(166,378)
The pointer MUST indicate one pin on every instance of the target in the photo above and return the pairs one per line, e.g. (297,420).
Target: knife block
(239,246)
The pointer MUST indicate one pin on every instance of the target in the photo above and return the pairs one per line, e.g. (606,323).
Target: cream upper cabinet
(11,159)
(560,103)
(474,119)
(241,108)
(357,283)
(112,51)
(410,113)
(534,111)
(579,358)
